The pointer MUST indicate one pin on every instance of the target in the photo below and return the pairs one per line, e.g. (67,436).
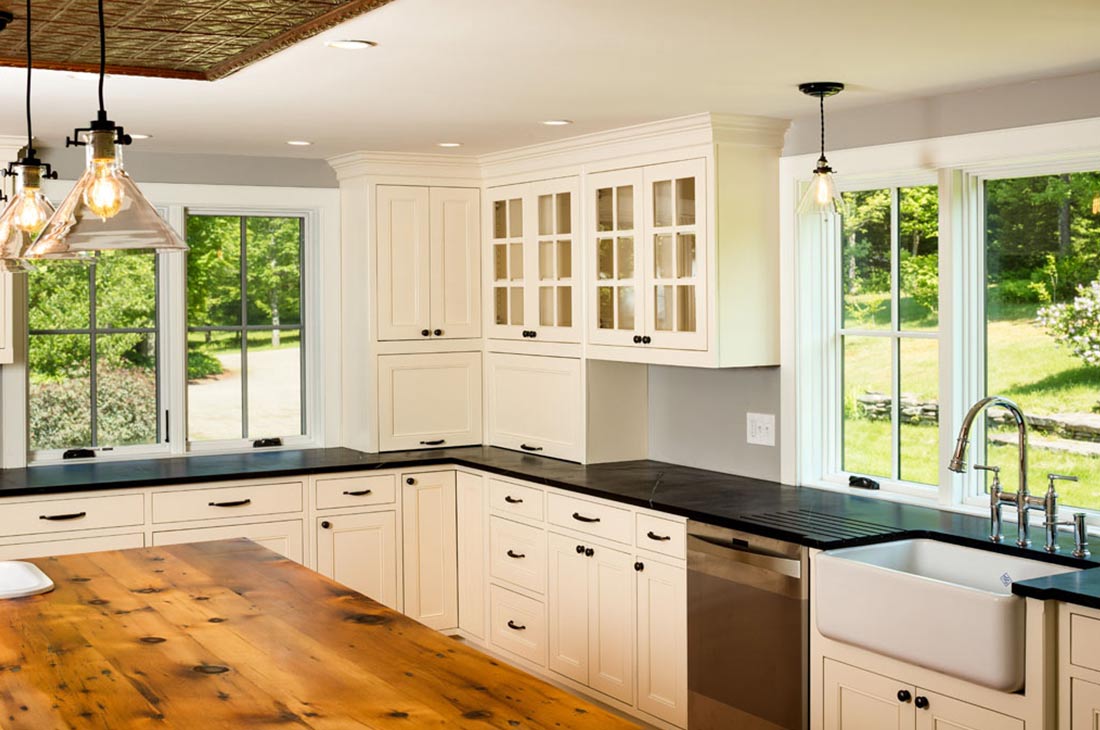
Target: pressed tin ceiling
(188,39)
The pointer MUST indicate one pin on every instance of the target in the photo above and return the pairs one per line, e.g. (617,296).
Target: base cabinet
(360,551)
(1084,705)
(662,640)
(284,537)
(71,545)
(430,548)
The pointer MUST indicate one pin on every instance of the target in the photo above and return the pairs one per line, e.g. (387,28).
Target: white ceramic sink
(19,579)
(941,606)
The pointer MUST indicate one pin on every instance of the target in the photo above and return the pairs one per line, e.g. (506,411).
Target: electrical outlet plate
(760,428)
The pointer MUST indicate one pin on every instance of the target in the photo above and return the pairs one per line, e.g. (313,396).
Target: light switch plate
(761,429)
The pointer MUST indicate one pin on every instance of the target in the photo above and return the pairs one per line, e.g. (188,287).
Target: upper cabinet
(7,319)
(534,273)
(429,267)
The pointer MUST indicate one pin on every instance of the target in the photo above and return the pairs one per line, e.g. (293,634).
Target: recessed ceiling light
(448,144)
(558,122)
(140,136)
(350,44)
(298,143)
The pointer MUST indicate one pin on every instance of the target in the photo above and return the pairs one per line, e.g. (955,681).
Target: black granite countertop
(810,517)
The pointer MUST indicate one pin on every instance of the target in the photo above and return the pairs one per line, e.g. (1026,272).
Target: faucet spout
(958,459)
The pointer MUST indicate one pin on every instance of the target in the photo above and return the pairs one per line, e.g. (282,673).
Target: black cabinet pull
(438,333)
(659,538)
(360,493)
(646,340)
(436,442)
(581,518)
(589,552)
(637,339)
(61,518)
(326,524)
(512,500)
(525,447)
(904,695)
(921,702)
(410,480)
(580,550)
(639,566)
(236,503)
(517,556)
(516,627)
(425,333)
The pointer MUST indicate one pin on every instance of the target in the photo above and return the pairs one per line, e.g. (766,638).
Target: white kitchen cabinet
(71,544)
(947,713)
(591,615)
(284,537)
(662,640)
(430,554)
(616,257)
(535,404)
(429,265)
(472,513)
(1085,705)
(360,551)
(429,400)
(7,319)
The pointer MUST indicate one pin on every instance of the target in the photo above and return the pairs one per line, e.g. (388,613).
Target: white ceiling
(485,72)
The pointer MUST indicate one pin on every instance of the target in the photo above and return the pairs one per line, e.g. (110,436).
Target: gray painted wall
(697,418)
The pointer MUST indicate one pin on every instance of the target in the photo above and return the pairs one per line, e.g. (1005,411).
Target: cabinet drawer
(71,546)
(1084,641)
(518,624)
(595,518)
(515,499)
(65,515)
(283,537)
(517,554)
(357,491)
(243,501)
(667,537)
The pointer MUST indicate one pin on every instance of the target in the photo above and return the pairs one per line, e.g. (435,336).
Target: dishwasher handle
(742,551)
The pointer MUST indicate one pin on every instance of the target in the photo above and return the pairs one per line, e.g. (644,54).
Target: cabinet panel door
(455,262)
(855,699)
(662,641)
(470,499)
(675,248)
(554,271)
(429,400)
(1084,705)
(567,594)
(360,551)
(536,404)
(508,263)
(283,537)
(430,558)
(404,262)
(62,545)
(615,267)
(947,713)
(611,623)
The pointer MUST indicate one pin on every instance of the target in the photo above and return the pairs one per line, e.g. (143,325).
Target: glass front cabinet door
(616,259)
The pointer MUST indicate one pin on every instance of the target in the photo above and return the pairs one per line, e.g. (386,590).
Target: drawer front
(667,537)
(518,624)
(65,515)
(283,537)
(515,500)
(71,546)
(211,504)
(517,554)
(357,491)
(595,518)
(1084,641)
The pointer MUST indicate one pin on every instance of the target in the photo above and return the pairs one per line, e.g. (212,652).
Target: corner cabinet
(430,548)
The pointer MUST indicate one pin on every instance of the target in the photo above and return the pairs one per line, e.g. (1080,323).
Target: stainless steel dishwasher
(748,631)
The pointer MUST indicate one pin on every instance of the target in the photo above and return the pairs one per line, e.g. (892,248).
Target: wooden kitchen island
(231,635)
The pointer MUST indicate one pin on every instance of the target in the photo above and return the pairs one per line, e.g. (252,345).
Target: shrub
(1076,325)
(202,364)
(60,411)
(1022,291)
(920,279)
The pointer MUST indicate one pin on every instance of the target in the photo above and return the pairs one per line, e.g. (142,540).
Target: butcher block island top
(231,635)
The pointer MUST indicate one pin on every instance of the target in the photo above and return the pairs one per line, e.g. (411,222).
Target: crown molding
(402,165)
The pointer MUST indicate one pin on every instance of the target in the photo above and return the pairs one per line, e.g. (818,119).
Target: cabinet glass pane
(626,307)
(515,260)
(626,208)
(546,306)
(500,262)
(685,201)
(662,307)
(685,255)
(515,218)
(546,215)
(500,219)
(663,256)
(546,260)
(516,304)
(605,302)
(500,305)
(685,308)
(565,215)
(605,209)
(662,203)
(565,306)
(565,259)
(626,258)
(605,259)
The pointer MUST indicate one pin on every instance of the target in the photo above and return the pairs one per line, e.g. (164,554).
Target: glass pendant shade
(821,196)
(104,211)
(23,218)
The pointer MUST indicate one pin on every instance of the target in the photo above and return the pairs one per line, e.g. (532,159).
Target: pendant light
(105,211)
(28,211)
(822,196)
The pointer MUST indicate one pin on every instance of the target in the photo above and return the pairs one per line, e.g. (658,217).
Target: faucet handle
(1052,478)
(983,467)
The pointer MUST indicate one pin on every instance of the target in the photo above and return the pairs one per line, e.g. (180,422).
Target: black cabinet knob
(438,333)
(904,695)
(580,550)
(589,552)
(639,566)
(646,340)
(410,480)
(921,702)
(534,334)
(637,339)
(326,524)
(424,333)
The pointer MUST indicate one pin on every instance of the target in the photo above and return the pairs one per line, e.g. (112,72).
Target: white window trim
(320,208)
(961,164)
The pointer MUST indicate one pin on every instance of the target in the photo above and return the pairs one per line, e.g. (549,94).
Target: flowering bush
(1076,325)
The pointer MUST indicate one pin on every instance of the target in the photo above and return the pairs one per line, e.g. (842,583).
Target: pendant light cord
(821,101)
(102,58)
(30,59)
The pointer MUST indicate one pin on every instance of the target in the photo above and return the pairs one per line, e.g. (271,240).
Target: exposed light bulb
(821,189)
(33,212)
(822,195)
(104,196)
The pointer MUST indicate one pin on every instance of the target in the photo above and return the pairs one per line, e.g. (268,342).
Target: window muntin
(245,331)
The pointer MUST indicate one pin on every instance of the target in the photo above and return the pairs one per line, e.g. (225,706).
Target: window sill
(142,455)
